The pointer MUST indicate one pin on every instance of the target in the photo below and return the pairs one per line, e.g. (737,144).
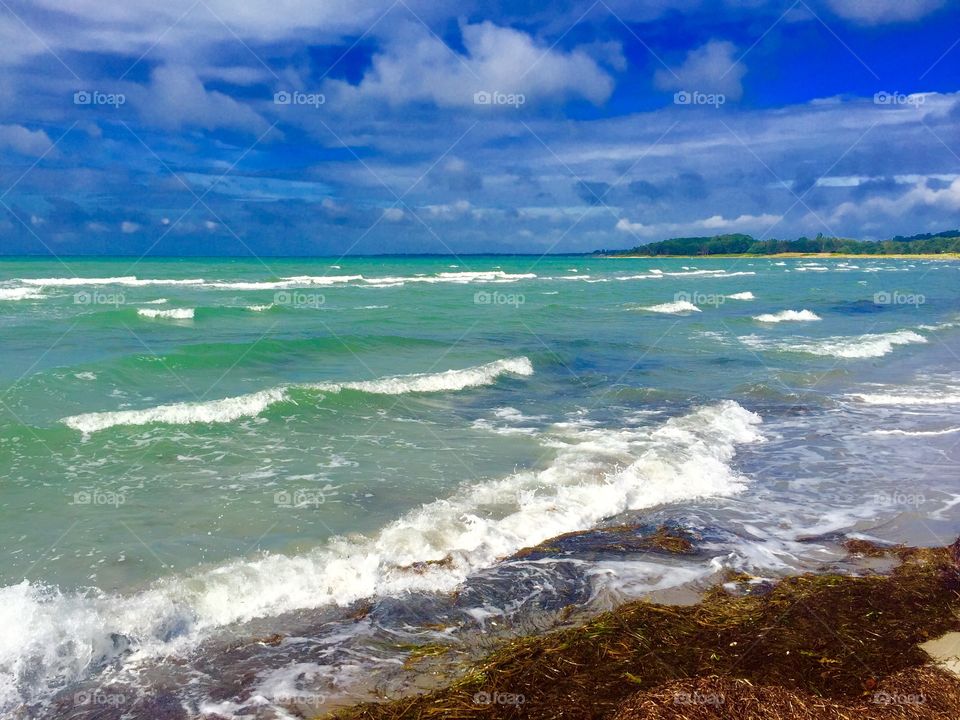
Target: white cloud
(712,224)
(127,227)
(416,66)
(884,11)
(393,214)
(710,68)
(24,141)
(176,97)
(920,197)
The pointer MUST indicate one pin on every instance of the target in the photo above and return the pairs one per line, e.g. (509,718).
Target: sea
(242,488)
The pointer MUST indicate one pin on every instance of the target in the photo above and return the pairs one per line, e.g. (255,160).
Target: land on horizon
(942,244)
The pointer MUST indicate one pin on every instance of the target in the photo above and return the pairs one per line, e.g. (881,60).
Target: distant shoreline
(822,256)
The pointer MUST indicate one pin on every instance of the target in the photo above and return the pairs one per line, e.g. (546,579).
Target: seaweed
(818,641)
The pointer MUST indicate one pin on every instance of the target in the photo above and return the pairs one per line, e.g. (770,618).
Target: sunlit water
(198,454)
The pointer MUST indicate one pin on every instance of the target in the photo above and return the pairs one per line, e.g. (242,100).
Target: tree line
(739,244)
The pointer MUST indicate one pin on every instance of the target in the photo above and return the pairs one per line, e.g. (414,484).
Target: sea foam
(175,314)
(19,294)
(673,308)
(233,408)
(787,316)
(871,345)
(55,637)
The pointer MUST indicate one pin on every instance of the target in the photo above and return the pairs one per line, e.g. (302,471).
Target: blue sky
(292,127)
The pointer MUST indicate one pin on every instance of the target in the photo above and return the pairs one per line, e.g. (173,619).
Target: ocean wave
(672,308)
(210,411)
(174,314)
(54,637)
(917,433)
(460,277)
(787,316)
(933,398)
(859,346)
(19,294)
(747,295)
(127,280)
(233,408)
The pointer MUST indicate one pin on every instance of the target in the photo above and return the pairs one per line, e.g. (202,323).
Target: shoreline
(820,645)
(821,256)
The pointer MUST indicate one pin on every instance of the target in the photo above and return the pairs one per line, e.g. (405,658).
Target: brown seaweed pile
(812,646)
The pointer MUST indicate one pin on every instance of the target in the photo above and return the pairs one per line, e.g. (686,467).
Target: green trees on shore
(738,243)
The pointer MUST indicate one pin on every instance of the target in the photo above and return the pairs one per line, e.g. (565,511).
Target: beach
(273,489)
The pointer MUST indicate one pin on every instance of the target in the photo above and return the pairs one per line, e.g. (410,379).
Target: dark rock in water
(619,540)
(164,706)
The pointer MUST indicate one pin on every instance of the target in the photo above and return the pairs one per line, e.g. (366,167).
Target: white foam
(19,294)
(917,433)
(250,405)
(747,295)
(859,346)
(461,278)
(787,316)
(448,381)
(651,276)
(210,411)
(259,308)
(128,280)
(175,314)
(51,638)
(933,398)
(680,306)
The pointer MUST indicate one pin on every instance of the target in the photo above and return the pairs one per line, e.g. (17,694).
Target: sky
(308,127)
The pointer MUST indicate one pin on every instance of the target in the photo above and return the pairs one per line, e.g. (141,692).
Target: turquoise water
(187,446)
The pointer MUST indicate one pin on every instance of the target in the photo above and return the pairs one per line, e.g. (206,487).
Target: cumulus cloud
(176,98)
(884,11)
(925,195)
(710,68)
(24,141)
(416,66)
(713,224)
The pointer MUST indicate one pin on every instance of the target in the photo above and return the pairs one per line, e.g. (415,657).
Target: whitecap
(787,316)
(173,314)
